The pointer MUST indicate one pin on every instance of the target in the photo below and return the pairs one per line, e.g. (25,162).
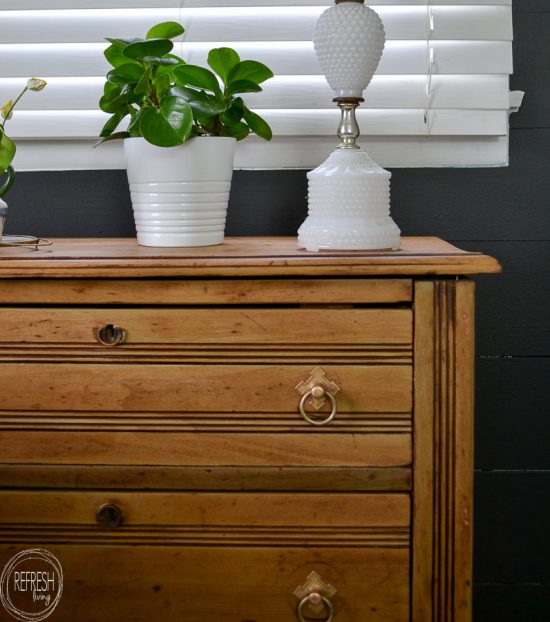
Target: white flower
(36,84)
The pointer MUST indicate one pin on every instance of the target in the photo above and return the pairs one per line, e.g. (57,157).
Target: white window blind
(440,96)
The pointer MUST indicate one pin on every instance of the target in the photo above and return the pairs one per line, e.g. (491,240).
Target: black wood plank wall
(504,212)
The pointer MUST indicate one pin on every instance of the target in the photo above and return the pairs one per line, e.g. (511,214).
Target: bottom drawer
(208,557)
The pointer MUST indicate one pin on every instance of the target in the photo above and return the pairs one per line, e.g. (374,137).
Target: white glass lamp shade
(349,39)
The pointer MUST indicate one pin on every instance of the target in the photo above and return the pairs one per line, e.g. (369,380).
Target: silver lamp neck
(348,130)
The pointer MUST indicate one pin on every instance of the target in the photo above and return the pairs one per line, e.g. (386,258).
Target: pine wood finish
(181,418)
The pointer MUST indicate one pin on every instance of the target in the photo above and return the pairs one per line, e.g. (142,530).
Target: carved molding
(443,452)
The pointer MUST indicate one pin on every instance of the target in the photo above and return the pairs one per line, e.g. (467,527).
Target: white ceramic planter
(180,194)
(3,214)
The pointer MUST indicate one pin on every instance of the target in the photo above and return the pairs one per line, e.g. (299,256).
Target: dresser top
(239,256)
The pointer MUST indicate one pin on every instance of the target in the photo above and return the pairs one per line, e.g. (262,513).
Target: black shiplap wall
(504,212)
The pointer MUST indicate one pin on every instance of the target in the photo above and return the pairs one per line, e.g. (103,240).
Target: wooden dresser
(241,433)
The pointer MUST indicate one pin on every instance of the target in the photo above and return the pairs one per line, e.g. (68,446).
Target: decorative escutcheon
(316,390)
(109,516)
(110,335)
(315,595)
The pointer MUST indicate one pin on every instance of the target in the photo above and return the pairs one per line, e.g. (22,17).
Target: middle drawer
(188,414)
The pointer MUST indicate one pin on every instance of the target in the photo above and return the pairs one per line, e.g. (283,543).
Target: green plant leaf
(143,85)
(109,87)
(107,102)
(176,57)
(112,124)
(169,69)
(115,57)
(162,86)
(7,151)
(122,43)
(129,73)
(200,101)
(133,126)
(243,86)
(151,47)
(117,98)
(10,178)
(165,30)
(157,60)
(206,122)
(238,131)
(234,113)
(250,70)
(258,125)
(169,126)
(192,75)
(222,61)
(116,136)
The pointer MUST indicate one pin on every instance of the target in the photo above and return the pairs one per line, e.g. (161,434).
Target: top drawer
(127,331)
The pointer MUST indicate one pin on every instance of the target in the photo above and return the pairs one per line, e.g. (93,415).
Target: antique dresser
(241,433)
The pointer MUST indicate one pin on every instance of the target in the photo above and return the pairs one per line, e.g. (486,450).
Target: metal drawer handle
(318,392)
(110,335)
(315,599)
(315,595)
(109,516)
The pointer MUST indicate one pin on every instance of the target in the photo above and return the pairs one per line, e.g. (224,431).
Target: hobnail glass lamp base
(349,205)
(348,234)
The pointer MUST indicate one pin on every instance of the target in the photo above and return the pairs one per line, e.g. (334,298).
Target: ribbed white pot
(3,214)
(180,194)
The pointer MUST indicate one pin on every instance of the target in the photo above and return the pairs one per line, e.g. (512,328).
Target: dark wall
(504,212)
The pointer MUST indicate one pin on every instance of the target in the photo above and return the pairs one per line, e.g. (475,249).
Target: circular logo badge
(31,585)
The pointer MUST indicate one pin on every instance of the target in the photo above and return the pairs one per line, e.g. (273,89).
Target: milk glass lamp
(349,194)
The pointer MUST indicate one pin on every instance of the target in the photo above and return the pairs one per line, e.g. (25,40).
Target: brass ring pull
(318,392)
(110,335)
(315,598)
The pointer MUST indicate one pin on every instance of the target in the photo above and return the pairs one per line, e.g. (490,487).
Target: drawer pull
(315,599)
(315,595)
(109,516)
(315,391)
(110,335)
(318,392)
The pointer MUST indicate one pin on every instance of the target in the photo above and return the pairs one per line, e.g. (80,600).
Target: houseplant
(7,146)
(180,139)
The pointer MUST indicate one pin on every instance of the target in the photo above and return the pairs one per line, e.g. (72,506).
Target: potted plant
(180,139)
(7,146)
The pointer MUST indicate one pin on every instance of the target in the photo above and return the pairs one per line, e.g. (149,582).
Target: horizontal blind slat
(299,92)
(248,24)
(87,123)
(304,153)
(138,4)
(400,57)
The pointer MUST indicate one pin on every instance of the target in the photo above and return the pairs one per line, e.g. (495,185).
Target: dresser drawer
(220,332)
(217,556)
(217,414)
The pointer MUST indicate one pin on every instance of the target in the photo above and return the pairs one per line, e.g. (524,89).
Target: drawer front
(176,414)
(231,390)
(217,556)
(220,332)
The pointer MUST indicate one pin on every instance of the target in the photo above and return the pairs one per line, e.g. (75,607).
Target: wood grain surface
(120,257)
(229,583)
